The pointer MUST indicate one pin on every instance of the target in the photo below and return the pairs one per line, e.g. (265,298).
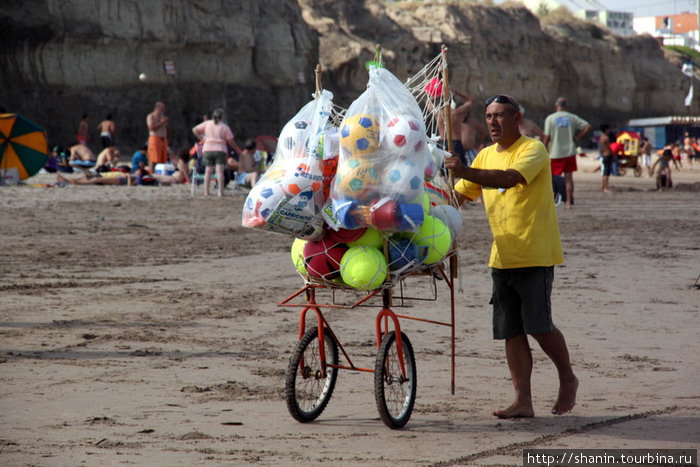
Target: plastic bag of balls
(379,181)
(289,197)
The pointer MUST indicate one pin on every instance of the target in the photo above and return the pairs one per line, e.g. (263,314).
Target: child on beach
(663,178)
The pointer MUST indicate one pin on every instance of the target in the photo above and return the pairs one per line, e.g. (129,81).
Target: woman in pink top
(215,134)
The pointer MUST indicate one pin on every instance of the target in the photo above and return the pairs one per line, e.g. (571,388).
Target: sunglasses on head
(502,99)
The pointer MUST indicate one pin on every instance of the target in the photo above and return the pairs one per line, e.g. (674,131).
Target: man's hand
(454,163)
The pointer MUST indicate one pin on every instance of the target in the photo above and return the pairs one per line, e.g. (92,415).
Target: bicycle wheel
(394,393)
(307,390)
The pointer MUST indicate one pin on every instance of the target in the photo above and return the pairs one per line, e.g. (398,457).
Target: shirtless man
(157,124)
(248,170)
(458,116)
(530,128)
(106,129)
(109,157)
(80,152)
(473,136)
(83,131)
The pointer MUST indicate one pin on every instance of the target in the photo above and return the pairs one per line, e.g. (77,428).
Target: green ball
(298,255)
(371,237)
(363,267)
(435,237)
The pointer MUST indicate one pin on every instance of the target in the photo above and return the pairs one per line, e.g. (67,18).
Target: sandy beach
(140,326)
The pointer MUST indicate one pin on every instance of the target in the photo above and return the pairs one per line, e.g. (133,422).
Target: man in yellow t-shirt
(513,175)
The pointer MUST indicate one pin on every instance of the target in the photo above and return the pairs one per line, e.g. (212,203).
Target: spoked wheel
(394,393)
(638,171)
(307,389)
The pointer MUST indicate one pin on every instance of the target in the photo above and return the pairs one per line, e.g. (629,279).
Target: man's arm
(581,134)
(486,178)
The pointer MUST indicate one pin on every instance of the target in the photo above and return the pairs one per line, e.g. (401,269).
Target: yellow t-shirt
(523,218)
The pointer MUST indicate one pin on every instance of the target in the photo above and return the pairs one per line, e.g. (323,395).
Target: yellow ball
(371,237)
(298,255)
(435,237)
(359,135)
(363,267)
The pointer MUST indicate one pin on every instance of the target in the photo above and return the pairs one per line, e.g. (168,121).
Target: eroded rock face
(492,50)
(69,57)
(256,59)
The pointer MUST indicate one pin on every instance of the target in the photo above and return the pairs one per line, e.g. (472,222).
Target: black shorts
(521,301)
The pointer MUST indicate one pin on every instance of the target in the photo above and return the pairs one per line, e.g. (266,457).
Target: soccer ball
(359,135)
(356,178)
(306,177)
(292,139)
(404,135)
(262,200)
(403,180)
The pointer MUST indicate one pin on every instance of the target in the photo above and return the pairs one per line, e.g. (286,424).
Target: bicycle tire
(307,391)
(394,394)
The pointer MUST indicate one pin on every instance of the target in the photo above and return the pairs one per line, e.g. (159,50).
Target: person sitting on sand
(108,158)
(80,152)
(181,174)
(247,168)
(109,178)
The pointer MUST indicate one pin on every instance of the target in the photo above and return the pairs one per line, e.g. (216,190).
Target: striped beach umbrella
(23,146)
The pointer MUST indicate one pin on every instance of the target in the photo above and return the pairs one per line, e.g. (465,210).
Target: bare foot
(567,206)
(515,411)
(567,397)
(605,190)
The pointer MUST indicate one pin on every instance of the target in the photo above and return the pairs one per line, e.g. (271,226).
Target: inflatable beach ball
(322,258)
(359,135)
(404,135)
(292,139)
(435,237)
(363,267)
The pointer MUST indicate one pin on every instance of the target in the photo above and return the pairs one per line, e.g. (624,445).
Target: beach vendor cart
(628,155)
(362,193)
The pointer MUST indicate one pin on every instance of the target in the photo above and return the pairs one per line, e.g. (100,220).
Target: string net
(384,263)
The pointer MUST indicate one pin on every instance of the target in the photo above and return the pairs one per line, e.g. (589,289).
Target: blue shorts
(521,301)
(240,178)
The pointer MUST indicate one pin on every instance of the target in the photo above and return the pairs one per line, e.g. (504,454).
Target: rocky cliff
(256,59)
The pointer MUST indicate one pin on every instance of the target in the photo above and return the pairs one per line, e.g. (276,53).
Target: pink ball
(434,87)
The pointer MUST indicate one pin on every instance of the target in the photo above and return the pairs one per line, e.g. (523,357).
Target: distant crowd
(215,158)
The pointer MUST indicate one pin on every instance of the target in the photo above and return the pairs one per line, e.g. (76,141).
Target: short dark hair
(604,127)
(249,144)
(561,102)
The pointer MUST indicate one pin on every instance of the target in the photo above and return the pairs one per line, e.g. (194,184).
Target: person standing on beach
(215,134)
(106,129)
(606,156)
(514,178)
(157,124)
(562,133)
(83,135)
(458,121)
